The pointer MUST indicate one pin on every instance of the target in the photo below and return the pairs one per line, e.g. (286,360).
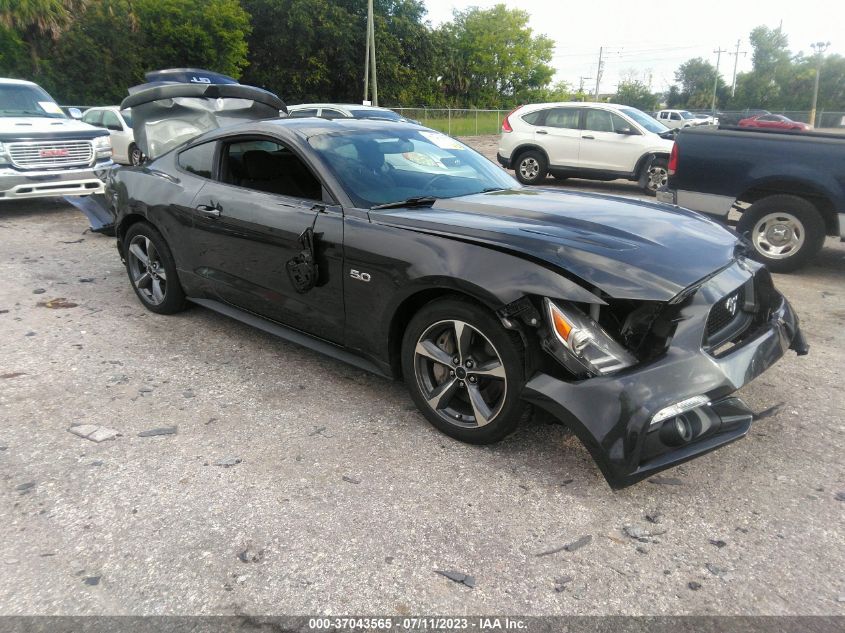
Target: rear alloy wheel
(655,176)
(464,371)
(786,231)
(152,270)
(136,156)
(531,168)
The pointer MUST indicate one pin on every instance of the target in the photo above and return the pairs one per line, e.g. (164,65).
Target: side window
(111,122)
(563,118)
(269,166)
(301,114)
(94,117)
(198,160)
(620,124)
(664,115)
(599,121)
(534,118)
(328,113)
(675,116)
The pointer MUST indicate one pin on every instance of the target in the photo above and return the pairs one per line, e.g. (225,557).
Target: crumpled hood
(30,126)
(628,248)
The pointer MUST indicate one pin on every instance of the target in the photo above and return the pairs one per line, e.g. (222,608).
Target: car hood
(27,127)
(627,248)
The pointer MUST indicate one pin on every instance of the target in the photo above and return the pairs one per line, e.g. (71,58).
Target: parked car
(706,119)
(618,317)
(43,152)
(599,141)
(674,119)
(343,111)
(789,188)
(773,121)
(119,124)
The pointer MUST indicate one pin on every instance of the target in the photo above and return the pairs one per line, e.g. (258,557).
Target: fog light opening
(677,431)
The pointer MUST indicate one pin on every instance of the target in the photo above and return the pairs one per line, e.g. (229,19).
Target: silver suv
(598,141)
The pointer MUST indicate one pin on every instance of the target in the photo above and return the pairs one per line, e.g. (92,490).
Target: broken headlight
(582,345)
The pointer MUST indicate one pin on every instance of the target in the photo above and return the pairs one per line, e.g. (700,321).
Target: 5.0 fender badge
(357,274)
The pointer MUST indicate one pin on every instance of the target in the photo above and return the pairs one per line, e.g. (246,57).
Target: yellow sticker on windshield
(50,107)
(442,141)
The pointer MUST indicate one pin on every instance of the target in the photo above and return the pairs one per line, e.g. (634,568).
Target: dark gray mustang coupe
(401,250)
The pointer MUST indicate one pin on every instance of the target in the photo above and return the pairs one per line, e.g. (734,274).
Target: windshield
(383,166)
(26,100)
(652,125)
(385,115)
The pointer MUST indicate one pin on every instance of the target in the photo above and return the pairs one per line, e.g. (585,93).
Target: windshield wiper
(418,201)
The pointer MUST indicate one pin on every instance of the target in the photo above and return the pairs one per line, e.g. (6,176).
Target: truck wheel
(786,231)
(531,168)
(464,371)
(654,176)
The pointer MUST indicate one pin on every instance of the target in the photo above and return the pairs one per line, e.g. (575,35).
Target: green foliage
(38,23)
(696,77)
(492,59)
(210,34)
(636,94)
(14,61)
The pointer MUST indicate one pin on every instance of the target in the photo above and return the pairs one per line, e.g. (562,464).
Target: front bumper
(18,184)
(611,415)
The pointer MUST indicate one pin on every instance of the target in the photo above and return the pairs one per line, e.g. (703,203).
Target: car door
(605,144)
(120,139)
(559,134)
(257,223)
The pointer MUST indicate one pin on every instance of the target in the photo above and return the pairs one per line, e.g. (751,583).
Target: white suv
(599,141)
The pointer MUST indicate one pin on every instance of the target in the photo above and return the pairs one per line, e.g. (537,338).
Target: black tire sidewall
(506,343)
(541,161)
(174,295)
(804,212)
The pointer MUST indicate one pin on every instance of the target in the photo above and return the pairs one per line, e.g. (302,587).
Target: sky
(651,39)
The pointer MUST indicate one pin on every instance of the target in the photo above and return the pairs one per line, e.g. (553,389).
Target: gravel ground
(295,484)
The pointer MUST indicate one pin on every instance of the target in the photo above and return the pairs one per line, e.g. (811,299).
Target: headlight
(102,144)
(586,342)
(4,159)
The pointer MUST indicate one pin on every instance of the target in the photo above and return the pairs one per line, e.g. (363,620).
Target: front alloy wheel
(460,374)
(656,176)
(464,371)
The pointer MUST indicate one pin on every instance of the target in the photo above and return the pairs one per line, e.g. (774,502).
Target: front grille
(725,311)
(46,154)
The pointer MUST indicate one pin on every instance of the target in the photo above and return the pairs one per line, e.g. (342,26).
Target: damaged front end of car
(646,385)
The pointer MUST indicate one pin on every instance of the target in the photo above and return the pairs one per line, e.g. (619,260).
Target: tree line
(778,80)
(91,51)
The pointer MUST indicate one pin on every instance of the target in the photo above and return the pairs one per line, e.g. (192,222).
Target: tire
(531,167)
(136,156)
(490,366)
(786,231)
(654,175)
(152,270)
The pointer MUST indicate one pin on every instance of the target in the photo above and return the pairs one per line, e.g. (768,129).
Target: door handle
(589,137)
(542,132)
(209,211)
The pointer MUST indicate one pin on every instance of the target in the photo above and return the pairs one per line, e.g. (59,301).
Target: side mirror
(626,131)
(75,113)
(114,128)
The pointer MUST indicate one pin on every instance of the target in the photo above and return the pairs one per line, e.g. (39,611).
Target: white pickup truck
(42,151)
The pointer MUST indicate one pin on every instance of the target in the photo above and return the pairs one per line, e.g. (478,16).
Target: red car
(776,121)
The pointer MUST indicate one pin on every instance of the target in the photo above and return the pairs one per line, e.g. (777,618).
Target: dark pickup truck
(788,186)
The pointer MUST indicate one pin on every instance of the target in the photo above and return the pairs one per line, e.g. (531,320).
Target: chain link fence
(457,121)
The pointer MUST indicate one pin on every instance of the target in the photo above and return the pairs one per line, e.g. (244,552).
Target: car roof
(345,106)
(113,108)
(307,127)
(17,82)
(573,104)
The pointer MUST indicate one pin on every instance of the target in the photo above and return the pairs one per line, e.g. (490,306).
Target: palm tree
(37,21)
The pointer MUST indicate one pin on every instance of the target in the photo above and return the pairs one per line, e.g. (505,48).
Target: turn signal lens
(562,326)
(678,408)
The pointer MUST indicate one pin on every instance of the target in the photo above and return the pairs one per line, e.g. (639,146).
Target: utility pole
(370,56)
(581,80)
(716,80)
(820,48)
(598,72)
(736,59)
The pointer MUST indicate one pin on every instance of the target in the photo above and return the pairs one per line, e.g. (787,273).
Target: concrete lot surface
(295,484)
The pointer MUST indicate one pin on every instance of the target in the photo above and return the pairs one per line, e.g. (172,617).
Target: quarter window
(533,118)
(198,160)
(301,114)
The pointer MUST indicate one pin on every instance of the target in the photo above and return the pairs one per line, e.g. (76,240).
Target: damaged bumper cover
(627,420)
